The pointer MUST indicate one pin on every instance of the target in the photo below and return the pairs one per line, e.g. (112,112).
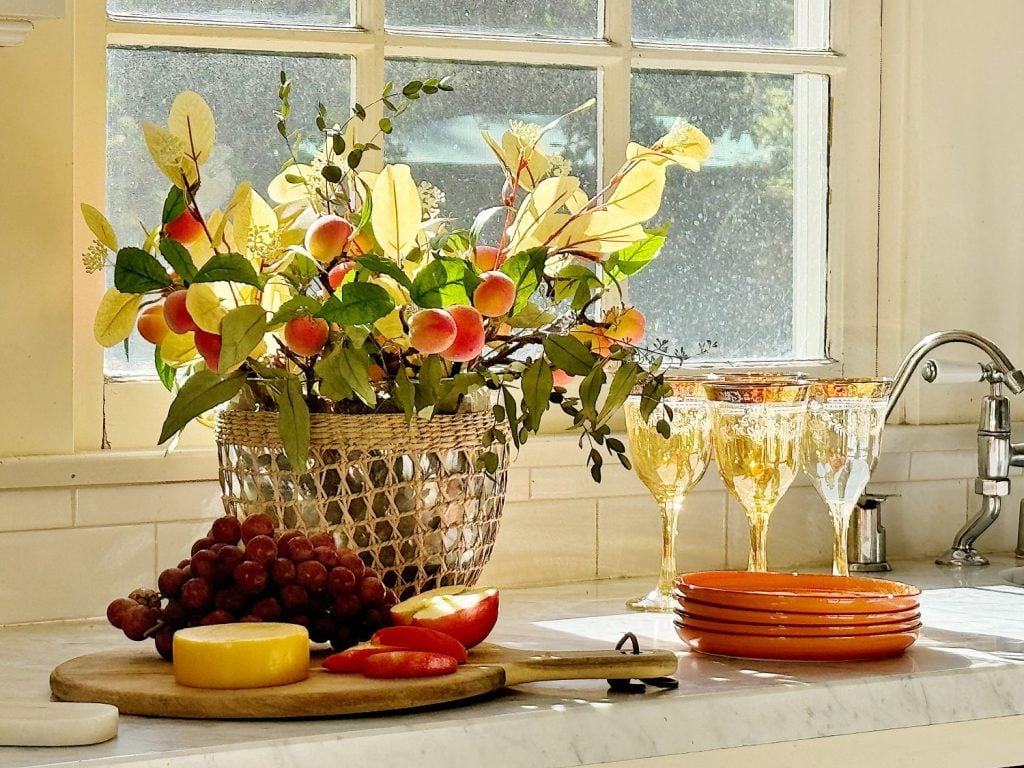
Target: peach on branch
(327,237)
(208,345)
(152,325)
(595,338)
(466,614)
(627,325)
(306,335)
(432,330)
(185,228)
(176,314)
(487,258)
(338,272)
(469,335)
(495,294)
(561,378)
(362,243)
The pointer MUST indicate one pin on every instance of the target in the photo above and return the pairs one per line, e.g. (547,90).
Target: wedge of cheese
(246,655)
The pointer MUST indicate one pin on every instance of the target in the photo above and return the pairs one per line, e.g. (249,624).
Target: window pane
(296,13)
(440,136)
(759,23)
(242,91)
(744,263)
(577,18)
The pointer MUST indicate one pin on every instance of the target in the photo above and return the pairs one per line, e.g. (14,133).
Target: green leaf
(531,316)
(511,415)
(444,283)
(295,307)
(331,173)
(429,382)
(622,384)
(174,205)
(179,258)
(350,367)
(570,354)
(232,267)
(241,331)
(381,266)
(163,370)
(405,394)
(293,423)
(357,304)
(526,269)
(136,271)
(537,383)
(632,259)
(301,270)
(203,391)
(590,391)
(572,278)
(664,428)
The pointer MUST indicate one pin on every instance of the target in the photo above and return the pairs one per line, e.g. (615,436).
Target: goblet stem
(670,510)
(758,525)
(841,512)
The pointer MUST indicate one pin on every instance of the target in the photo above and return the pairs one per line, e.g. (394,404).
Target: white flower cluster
(526,133)
(95,258)
(678,138)
(431,198)
(559,166)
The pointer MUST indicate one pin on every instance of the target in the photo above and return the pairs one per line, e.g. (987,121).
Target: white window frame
(134,409)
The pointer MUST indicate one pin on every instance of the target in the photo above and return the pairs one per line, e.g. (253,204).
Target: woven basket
(407,497)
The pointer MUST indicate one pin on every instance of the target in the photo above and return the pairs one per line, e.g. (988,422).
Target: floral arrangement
(346,292)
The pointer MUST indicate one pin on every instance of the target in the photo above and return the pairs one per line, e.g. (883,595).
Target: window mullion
(369,72)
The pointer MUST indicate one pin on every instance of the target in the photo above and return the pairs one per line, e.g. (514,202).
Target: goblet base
(653,602)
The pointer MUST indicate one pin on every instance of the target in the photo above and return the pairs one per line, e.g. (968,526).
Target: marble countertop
(968,664)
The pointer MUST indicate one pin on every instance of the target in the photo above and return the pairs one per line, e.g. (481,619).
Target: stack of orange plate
(796,617)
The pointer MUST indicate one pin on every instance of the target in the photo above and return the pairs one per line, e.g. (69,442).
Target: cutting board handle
(588,665)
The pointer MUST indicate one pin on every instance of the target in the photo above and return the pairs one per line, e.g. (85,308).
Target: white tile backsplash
(558,526)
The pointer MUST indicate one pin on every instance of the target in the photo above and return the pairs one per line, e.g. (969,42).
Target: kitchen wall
(79,527)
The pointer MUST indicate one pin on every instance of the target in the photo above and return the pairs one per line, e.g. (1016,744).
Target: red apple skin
(353,659)
(470,626)
(337,273)
(421,639)
(404,664)
(469,334)
(432,330)
(208,345)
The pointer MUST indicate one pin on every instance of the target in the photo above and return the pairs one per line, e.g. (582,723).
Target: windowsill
(130,467)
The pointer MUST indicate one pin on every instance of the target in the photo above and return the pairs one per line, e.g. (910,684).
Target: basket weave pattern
(407,497)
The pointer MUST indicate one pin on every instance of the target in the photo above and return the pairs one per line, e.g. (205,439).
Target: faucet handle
(947,372)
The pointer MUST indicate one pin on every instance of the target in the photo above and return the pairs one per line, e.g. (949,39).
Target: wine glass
(842,440)
(757,426)
(669,467)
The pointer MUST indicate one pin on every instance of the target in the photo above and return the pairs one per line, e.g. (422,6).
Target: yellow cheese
(246,655)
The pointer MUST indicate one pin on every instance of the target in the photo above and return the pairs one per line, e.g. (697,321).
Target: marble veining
(968,664)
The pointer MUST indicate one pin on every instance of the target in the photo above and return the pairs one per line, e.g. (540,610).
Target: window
(745,265)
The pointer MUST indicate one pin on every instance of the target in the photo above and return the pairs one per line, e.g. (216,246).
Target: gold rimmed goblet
(842,440)
(669,467)
(757,426)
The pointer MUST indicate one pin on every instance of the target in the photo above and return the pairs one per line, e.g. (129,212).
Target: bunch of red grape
(241,571)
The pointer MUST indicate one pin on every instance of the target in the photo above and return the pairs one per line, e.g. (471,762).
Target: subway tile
(943,465)
(891,468)
(174,541)
(908,438)
(544,542)
(629,535)
(120,504)
(576,483)
(550,451)
(799,532)
(518,488)
(923,519)
(74,572)
(32,510)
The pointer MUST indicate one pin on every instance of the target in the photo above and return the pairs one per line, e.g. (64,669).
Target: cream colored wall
(949,233)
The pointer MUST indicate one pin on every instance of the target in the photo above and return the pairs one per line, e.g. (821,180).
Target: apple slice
(395,664)
(466,614)
(420,639)
(353,659)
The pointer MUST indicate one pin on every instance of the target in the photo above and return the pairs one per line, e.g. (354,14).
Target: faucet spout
(1013,377)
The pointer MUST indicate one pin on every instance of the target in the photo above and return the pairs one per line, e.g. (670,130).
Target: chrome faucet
(996,454)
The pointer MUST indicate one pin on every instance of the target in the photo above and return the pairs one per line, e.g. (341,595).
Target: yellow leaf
(390,326)
(204,306)
(600,232)
(115,317)
(638,193)
(167,151)
(178,349)
(201,249)
(397,211)
(99,226)
(538,217)
(534,162)
(496,148)
(281,190)
(191,120)
(255,225)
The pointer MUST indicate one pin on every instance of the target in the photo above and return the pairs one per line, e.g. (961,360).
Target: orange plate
(720,613)
(845,648)
(797,592)
(786,630)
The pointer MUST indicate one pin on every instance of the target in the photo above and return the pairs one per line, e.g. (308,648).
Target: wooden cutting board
(138,682)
